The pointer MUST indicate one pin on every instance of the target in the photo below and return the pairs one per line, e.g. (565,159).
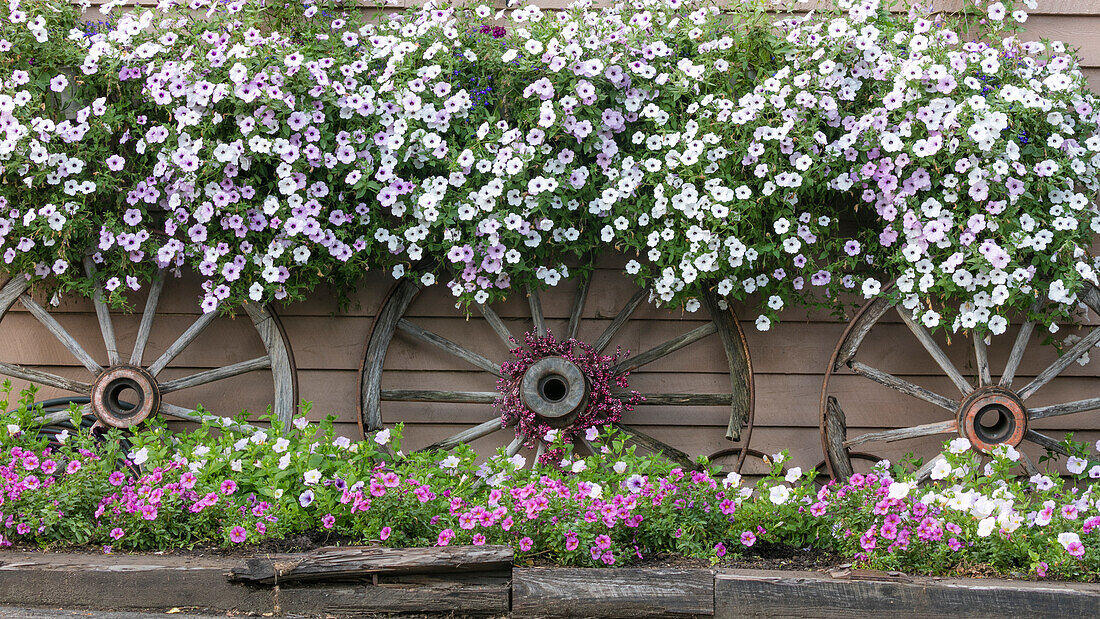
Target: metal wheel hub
(124,395)
(991,416)
(555,389)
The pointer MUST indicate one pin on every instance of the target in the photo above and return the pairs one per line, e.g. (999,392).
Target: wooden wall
(789,360)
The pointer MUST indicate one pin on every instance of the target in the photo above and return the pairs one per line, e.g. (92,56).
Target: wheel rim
(987,413)
(126,390)
(559,409)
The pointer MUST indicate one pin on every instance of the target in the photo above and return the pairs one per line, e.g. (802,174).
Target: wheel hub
(124,396)
(555,389)
(991,416)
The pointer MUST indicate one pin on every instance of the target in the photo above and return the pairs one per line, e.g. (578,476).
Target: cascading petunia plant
(273,146)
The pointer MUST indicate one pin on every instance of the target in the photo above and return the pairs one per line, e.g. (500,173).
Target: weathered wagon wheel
(987,412)
(128,389)
(553,388)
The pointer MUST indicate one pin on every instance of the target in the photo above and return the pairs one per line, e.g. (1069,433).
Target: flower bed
(155,489)
(273,147)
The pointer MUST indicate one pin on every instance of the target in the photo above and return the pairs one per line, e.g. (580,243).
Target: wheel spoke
(103,314)
(1045,441)
(60,333)
(1029,466)
(146,326)
(537,318)
(1068,357)
(43,378)
(619,320)
(654,444)
(1017,354)
(1068,408)
(935,351)
(209,376)
(447,397)
(182,342)
(498,325)
(924,472)
(981,357)
(578,306)
(903,386)
(188,414)
(632,363)
(466,436)
(588,445)
(541,449)
(514,446)
(683,399)
(900,434)
(61,416)
(448,346)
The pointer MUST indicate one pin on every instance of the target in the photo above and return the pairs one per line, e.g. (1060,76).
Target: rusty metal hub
(124,395)
(555,389)
(991,416)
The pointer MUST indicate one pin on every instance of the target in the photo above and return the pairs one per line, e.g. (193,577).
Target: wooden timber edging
(469,581)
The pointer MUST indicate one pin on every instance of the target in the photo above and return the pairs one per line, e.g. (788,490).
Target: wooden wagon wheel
(554,388)
(987,412)
(127,389)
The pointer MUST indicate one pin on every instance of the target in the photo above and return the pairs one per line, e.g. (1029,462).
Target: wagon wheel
(553,388)
(128,388)
(986,412)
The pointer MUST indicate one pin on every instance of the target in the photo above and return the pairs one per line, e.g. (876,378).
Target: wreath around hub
(569,388)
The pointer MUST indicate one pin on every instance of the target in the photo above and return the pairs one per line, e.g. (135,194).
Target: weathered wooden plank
(925,338)
(1017,354)
(60,333)
(868,317)
(1073,354)
(1068,408)
(685,399)
(634,362)
(343,562)
(103,314)
(981,358)
(39,377)
(451,397)
(903,386)
(187,414)
(216,374)
(900,434)
(147,315)
(1045,441)
(182,342)
(579,299)
(537,317)
(466,436)
(627,592)
(619,320)
(756,593)
(498,325)
(448,346)
(461,595)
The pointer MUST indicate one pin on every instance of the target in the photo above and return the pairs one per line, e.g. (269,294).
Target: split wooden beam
(357,562)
